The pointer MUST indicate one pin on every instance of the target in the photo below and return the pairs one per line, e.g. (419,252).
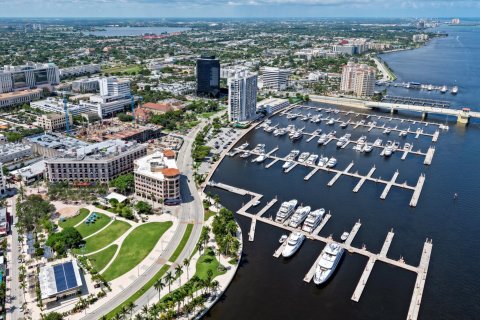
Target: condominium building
(53,121)
(242,96)
(208,76)
(28,76)
(275,78)
(79,70)
(99,162)
(358,79)
(157,178)
(16,98)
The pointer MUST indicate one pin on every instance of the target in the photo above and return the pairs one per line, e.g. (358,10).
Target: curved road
(190,211)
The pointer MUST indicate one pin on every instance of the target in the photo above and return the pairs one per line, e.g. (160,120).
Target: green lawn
(88,229)
(136,246)
(128,69)
(208,214)
(104,237)
(70,222)
(208,261)
(100,259)
(182,243)
(134,297)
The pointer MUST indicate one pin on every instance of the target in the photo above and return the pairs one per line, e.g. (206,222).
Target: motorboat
(329,260)
(444,89)
(430,87)
(294,242)
(387,130)
(313,220)
(322,139)
(332,134)
(260,158)
(256,203)
(305,118)
(323,161)
(288,164)
(395,145)
(259,147)
(358,147)
(245,154)
(317,132)
(283,238)
(403,133)
(243,146)
(315,119)
(269,129)
(331,122)
(292,116)
(293,155)
(343,125)
(332,162)
(377,143)
(286,210)
(344,236)
(362,140)
(407,146)
(312,159)
(454,90)
(299,216)
(343,140)
(297,135)
(303,157)
(388,151)
(368,148)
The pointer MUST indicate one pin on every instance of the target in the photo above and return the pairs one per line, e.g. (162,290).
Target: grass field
(88,229)
(70,222)
(136,246)
(208,261)
(104,237)
(208,214)
(128,69)
(100,259)
(182,243)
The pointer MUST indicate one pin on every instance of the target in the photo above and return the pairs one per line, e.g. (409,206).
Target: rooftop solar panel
(70,275)
(60,278)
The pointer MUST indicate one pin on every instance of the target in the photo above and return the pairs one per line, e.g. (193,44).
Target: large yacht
(303,157)
(323,138)
(260,158)
(454,90)
(286,210)
(343,140)
(287,164)
(330,257)
(294,242)
(297,135)
(312,159)
(293,155)
(299,216)
(323,161)
(332,162)
(313,220)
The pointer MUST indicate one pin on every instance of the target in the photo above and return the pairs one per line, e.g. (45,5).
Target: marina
(421,270)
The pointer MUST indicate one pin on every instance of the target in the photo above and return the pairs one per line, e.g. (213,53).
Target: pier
(363,179)
(389,185)
(308,176)
(322,224)
(418,191)
(268,206)
(420,270)
(429,156)
(339,174)
(271,163)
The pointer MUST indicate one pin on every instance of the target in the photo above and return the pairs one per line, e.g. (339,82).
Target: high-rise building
(112,86)
(359,79)
(208,76)
(275,78)
(242,96)
(28,76)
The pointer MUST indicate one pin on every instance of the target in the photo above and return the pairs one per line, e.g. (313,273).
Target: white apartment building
(229,71)
(242,96)
(275,78)
(100,162)
(80,70)
(157,178)
(112,86)
(53,121)
(359,79)
(28,76)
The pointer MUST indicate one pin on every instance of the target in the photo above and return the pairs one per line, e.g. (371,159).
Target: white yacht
(243,146)
(343,125)
(362,140)
(331,122)
(377,143)
(388,151)
(286,210)
(312,159)
(322,139)
(344,236)
(368,148)
(260,158)
(387,130)
(269,129)
(288,164)
(407,146)
(303,157)
(299,216)
(293,155)
(358,147)
(330,257)
(317,132)
(313,220)
(343,140)
(444,89)
(246,154)
(332,162)
(297,135)
(259,147)
(292,116)
(323,161)
(294,242)
(395,145)
(454,90)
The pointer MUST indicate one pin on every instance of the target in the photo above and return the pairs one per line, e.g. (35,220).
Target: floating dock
(429,156)
(363,279)
(339,174)
(389,185)
(268,206)
(363,179)
(322,224)
(308,176)
(420,282)
(418,191)
(353,233)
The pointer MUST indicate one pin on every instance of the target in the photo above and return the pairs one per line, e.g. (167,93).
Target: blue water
(454,60)
(133,31)
(269,288)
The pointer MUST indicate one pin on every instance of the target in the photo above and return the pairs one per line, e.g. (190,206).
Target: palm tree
(215,285)
(169,278)
(186,263)
(138,317)
(200,247)
(130,307)
(159,285)
(153,312)
(178,274)
(145,310)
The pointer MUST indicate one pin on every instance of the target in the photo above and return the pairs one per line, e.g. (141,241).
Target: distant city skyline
(239,8)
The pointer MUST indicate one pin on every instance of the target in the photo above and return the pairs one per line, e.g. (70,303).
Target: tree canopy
(33,210)
(123,183)
(66,239)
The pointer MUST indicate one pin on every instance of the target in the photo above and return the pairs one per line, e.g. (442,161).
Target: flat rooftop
(58,278)
(157,165)
(57,141)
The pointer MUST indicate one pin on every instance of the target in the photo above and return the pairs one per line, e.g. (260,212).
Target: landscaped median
(182,243)
(136,246)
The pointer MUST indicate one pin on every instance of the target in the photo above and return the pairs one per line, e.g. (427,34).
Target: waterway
(450,61)
(269,288)
(133,31)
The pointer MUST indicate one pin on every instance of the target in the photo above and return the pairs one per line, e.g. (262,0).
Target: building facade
(80,70)
(53,121)
(99,162)
(208,76)
(358,79)
(15,98)
(86,85)
(275,78)
(242,96)
(14,151)
(157,178)
(28,76)
(112,86)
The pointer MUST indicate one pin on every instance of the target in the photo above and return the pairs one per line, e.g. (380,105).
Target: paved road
(15,295)
(191,211)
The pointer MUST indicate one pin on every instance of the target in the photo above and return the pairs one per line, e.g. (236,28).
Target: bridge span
(463,115)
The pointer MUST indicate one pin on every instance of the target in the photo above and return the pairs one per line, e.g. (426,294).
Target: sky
(240,8)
